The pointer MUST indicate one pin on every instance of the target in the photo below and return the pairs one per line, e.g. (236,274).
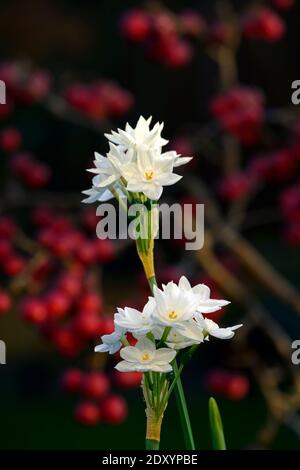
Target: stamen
(172,315)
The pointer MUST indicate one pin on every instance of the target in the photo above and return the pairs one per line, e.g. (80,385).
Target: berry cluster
(241,112)
(263,24)
(99,403)
(169,37)
(165,35)
(99,100)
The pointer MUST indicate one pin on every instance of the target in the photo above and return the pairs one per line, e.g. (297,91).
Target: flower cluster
(134,165)
(172,319)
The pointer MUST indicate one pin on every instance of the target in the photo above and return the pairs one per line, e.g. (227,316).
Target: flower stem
(148,264)
(152,445)
(183,412)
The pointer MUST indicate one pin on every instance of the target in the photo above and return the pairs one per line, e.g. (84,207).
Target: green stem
(152,445)
(180,397)
(183,412)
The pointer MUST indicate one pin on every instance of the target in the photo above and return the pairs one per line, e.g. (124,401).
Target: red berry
(70,285)
(33,310)
(7,227)
(86,253)
(87,413)
(107,326)
(105,250)
(78,96)
(217,381)
(178,53)
(90,302)
(5,302)
(57,304)
(88,325)
(114,409)
(127,380)
(90,220)
(42,216)
(164,25)
(72,380)
(37,175)
(135,25)
(13,265)
(66,342)
(237,387)
(95,385)
(10,139)
(237,185)
(264,24)
(5,249)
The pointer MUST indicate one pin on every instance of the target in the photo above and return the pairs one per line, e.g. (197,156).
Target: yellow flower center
(149,175)
(173,315)
(145,357)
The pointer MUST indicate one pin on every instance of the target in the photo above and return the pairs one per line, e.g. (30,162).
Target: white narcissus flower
(149,174)
(111,343)
(134,321)
(177,341)
(212,329)
(176,308)
(177,159)
(144,357)
(135,161)
(139,138)
(205,303)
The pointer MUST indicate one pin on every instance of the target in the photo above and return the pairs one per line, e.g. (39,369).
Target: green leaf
(216,425)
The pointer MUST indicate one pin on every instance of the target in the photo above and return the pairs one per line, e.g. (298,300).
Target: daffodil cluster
(172,319)
(134,165)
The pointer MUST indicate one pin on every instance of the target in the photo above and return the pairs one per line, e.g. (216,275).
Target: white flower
(111,343)
(177,341)
(149,174)
(145,357)
(135,321)
(139,138)
(176,308)
(211,328)
(178,160)
(134,163)
(202,292)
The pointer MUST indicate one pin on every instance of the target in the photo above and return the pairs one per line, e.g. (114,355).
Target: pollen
(145,357)
(149,175)
(173,315)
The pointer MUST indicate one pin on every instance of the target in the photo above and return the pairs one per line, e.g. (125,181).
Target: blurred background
(219,74)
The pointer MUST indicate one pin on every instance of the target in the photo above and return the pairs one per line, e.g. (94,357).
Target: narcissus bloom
(149,174)
(211,328)
(134,164)
(139,138)
(145,357)
(111,343)
(134,321)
